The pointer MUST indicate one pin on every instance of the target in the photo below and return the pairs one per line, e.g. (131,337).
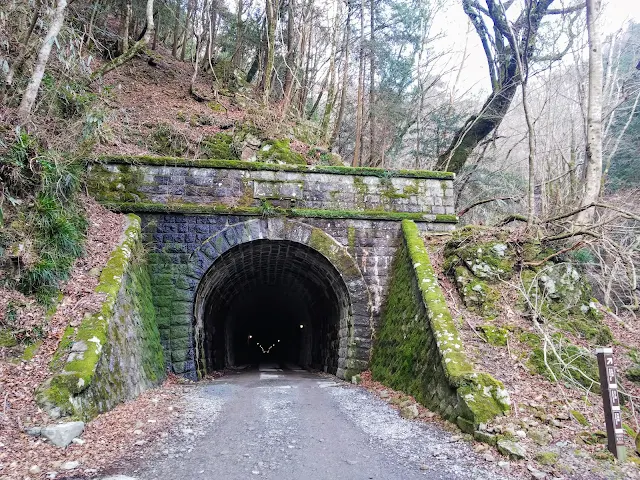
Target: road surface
(295,425)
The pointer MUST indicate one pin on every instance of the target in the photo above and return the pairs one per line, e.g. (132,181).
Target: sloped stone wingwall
(115,354)
(417,348)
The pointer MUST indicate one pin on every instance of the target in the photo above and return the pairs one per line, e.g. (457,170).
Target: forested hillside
(533,104)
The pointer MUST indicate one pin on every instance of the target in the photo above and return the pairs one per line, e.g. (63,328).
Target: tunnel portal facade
(243,254)
(227,288)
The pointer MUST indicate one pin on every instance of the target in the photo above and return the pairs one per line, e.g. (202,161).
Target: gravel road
(294,425)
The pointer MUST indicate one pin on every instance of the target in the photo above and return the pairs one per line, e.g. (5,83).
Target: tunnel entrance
(274,301)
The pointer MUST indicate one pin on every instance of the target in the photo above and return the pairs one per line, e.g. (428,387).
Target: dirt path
(291,425)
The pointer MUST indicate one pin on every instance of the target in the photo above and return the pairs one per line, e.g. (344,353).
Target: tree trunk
(34,20)
(272,19)
(345,79)
(185,36)
(176,30)
(124,28)
(31,92)
(291,65)
(360,101)
(319,97)
(304,88)
(328,107)
(136,47)
(593,160)
(156,33)
(372,66)
(237,51)
(500,52)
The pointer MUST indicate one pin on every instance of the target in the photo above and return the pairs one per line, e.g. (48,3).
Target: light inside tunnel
(268,300)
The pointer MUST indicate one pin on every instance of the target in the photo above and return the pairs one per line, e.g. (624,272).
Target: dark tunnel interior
(272,301)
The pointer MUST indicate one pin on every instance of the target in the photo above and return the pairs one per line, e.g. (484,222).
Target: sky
(452,24)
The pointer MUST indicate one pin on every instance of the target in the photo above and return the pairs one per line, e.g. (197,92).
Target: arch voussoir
(355,325)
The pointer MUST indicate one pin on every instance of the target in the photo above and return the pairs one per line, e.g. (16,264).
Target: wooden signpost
(611,403)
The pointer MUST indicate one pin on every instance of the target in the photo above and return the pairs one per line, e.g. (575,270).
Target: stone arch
(346,280)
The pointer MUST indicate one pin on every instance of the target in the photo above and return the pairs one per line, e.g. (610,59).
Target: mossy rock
(164,140)
(279,151)
(547,458)
(581,363)
(31,350)
(7,338)
(488,260)
(597,437)
(496,336)
(218,146)
(579,417)
(307,132)
(476,294)
(564,298)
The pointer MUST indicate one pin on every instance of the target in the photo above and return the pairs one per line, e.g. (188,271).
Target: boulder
(409,411)
(62,434)
(511,449)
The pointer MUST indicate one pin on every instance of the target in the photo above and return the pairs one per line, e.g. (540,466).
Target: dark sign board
(611,402)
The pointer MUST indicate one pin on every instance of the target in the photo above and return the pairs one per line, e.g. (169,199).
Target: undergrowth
(42,225)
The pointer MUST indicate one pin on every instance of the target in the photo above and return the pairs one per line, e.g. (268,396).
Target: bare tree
(593,161)
(135,48)
(31,92)
(500,49)
(271,9)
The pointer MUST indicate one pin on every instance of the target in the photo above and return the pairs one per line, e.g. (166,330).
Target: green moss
(361,187)
(351,239)
(89,342)
(241,165)
(418,349)
(531,339)
(633,374)
(580,418)
(31,350)
(563,297)
(122,185)
(279,151)
(547,458)
(182,207)
(7,338)
(64,347)
(389,191)
(576,365)
(411,189)
(218,146)
(495,335)
(216,107)
(164,140)
(486,260)
(476,294)
(334,252)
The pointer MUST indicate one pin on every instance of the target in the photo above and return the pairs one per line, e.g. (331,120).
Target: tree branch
(564,11)
(555,254)
(482,202)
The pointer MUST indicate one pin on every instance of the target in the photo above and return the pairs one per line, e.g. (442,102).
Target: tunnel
(271,301)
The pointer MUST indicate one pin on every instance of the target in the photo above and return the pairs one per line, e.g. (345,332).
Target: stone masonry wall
(418,349)
(184,204)
(361,189)
(115,354)
(174,237)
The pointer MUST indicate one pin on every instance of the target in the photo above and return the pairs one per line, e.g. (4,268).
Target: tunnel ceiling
(266,262)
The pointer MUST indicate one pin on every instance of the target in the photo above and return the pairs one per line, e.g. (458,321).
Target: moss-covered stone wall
(250,188)
(115,354)
(417,348)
